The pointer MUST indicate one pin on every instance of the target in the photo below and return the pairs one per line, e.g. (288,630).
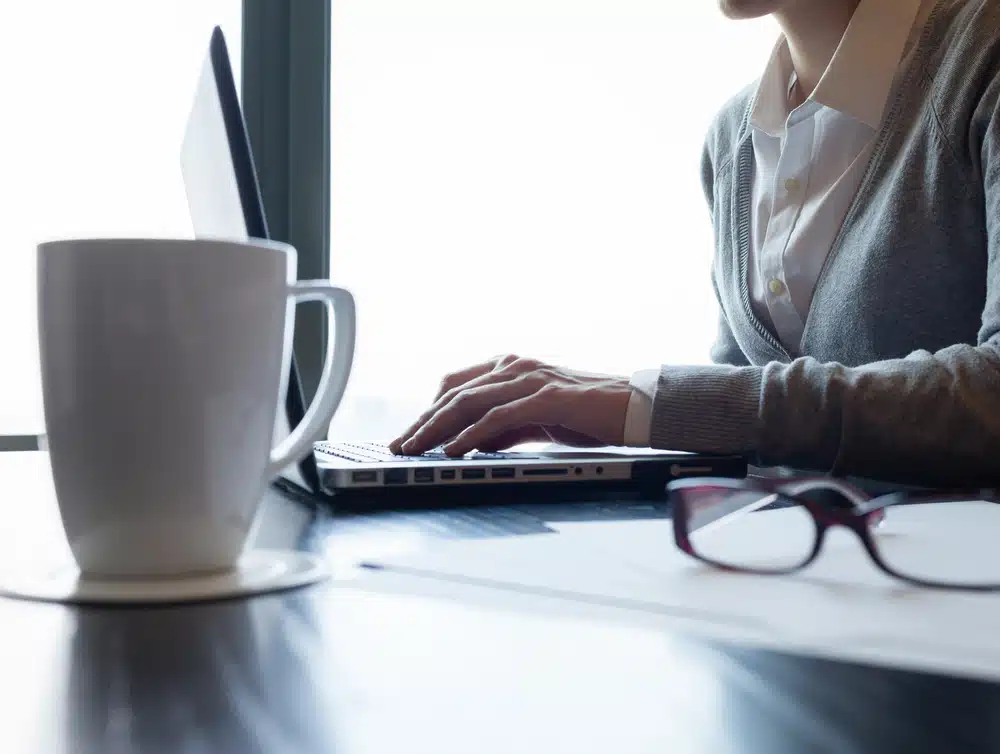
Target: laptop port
(364,477)
(473,473)
(395,476)
(545,472)
(447,474)
(423,475)
(503,473)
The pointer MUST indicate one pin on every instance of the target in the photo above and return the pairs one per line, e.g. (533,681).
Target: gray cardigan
(898,376)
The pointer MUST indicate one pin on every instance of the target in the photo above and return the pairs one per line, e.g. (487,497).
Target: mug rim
(263,244)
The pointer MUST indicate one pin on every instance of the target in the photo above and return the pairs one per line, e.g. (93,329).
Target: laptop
(224,199)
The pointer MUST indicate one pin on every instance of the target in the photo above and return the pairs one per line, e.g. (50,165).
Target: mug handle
(332,382)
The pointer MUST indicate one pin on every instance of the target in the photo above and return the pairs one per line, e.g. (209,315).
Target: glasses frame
(861,514)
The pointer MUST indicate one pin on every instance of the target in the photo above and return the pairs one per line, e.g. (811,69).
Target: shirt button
(776,287)
(792,185)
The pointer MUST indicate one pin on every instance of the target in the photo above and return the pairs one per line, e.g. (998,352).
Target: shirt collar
(860,75)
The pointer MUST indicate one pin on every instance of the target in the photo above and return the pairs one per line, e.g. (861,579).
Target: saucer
(259,571)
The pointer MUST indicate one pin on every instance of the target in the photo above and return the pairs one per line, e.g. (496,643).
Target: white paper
(841,606)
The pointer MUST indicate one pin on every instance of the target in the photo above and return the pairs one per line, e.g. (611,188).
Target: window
(96,96)
(523,175)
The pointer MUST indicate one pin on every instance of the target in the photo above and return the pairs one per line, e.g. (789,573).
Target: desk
(341,668)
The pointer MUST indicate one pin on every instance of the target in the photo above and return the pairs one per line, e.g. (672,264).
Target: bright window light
(96,96)
(523,176)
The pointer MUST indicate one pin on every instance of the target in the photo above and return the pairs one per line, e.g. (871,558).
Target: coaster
(259,571)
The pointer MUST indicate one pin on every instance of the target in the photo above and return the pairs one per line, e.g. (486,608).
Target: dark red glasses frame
(853,509)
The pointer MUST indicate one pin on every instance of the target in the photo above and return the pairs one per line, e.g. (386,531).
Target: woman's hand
(510,400)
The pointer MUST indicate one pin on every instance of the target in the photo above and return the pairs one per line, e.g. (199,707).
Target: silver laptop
(224,199)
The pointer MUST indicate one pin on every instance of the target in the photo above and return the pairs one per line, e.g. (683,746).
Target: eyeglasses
(952,543)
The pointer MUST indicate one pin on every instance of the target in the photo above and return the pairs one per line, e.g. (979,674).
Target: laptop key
(373,453)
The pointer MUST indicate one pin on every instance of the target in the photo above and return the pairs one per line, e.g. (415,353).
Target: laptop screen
(213,193)
(224,199)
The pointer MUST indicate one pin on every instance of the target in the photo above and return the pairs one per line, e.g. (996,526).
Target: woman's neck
(814,29)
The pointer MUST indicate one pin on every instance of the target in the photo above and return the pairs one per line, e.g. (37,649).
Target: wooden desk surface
(345,668)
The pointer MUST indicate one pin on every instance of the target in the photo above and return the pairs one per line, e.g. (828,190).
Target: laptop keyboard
(370,452)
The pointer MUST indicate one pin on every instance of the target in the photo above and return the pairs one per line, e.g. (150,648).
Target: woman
(855,196)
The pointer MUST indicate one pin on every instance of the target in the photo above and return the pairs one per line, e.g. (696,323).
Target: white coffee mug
(164,363)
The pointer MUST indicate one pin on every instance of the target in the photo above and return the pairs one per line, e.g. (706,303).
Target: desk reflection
(367,668)
(233,676)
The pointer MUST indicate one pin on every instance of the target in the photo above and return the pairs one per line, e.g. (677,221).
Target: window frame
(286,104)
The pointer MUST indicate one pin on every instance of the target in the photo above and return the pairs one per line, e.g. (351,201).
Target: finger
(441,403)
(489,378)
(541,407)
(497,364)
(464,409)
(456,412)
(463,376)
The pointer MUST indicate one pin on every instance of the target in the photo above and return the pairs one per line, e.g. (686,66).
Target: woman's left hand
(510,400)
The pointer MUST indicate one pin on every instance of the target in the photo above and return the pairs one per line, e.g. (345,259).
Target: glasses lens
(950,542)
(728,527)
